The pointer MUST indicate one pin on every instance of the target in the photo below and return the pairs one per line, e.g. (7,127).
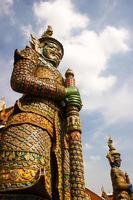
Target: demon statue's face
(52,52)
(117,160)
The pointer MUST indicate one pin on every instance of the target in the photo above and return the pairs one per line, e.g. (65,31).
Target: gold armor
(34,148)
(120,180)
(31,137)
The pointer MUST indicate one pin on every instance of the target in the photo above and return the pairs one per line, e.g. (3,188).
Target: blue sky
(97,38)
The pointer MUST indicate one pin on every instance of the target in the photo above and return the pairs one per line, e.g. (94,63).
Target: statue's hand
(74,100)
(71,91)
(73,97)
(127,178)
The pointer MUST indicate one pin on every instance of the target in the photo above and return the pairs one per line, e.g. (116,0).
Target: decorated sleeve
(24,81)
(116,178)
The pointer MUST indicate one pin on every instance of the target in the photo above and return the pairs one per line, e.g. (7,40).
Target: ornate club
(75,146)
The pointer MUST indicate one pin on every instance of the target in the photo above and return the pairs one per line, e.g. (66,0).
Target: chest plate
(50,74)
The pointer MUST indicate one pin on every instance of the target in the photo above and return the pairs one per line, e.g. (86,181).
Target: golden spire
(110,144)
(48,32)
(112,150)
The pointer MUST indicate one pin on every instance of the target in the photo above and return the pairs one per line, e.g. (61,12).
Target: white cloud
(26,30)
(5,7)
(5,88)
(87,146)
(87,52)
(89,57)
(61,14)
(114,40)
(95,158)
(118,106)
(97,173)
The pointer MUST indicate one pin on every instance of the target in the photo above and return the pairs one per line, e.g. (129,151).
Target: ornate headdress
(46,37)
(112,150)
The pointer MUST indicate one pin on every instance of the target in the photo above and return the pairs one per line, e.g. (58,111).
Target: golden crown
(46,37)
(112,150)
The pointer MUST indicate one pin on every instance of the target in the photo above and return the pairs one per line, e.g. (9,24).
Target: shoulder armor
(4,115)
(27,53)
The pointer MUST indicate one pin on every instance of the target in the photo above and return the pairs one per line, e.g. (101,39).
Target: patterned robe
(120,184)
(32,142)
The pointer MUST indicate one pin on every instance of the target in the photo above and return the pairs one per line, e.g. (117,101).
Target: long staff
(75,146)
